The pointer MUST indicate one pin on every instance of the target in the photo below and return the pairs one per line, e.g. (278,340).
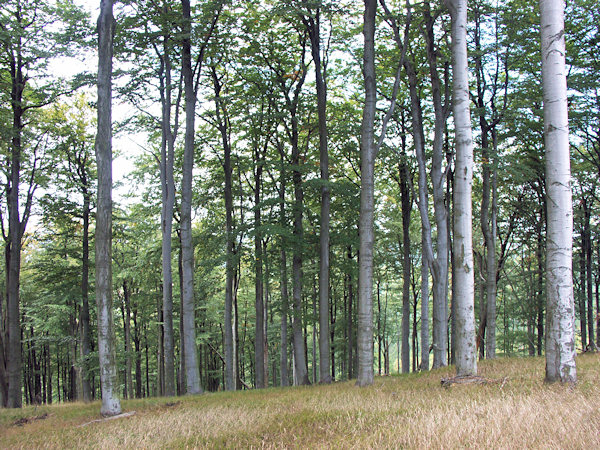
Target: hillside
(412,411)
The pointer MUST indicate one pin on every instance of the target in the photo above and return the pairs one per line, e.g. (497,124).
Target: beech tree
(111,405)
(462,280)
(560,315)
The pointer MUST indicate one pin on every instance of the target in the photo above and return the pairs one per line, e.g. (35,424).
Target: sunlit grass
(411,411)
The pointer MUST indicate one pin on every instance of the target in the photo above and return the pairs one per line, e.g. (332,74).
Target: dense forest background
(259,184)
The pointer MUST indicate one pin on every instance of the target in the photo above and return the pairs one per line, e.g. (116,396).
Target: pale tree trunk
(366,234)
(189,324)
(111,404)
(560,310)
(464,302)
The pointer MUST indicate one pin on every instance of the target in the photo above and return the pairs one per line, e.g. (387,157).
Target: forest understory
(515,409)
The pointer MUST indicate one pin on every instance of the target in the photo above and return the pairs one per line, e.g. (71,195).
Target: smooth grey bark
(224,127)
(463,281)
(111,404)
(366,234)
(560,310)
(439,264)
(167,158)
(313,27)
(423,202)
(187,248)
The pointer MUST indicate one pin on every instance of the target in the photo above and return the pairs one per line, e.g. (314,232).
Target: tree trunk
(406,212)
(187,247)
(111,404)
(283,357)
(13,350)
(313,26)
(127,327)
(560,312)
(259,339)
(84,346)
(588,271)
(223,125)
(168,204)
(366,234)
(440,263)
(300,360)
(466,354)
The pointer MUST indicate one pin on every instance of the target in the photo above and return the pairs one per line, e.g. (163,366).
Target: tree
(560,315)
(313,25)
(367,237)
(111,404)
(463,281)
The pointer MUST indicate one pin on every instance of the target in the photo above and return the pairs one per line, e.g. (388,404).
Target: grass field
(408,411)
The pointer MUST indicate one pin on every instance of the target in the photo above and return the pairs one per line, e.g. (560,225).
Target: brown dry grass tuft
(410,411)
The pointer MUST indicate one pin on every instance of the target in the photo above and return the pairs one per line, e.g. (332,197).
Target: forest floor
(514,409)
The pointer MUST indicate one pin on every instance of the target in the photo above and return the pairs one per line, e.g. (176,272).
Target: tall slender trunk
(283,360)
(223,125)
(539,311)
(85,346)
(488,191)
(12,352)
(350,342)
(366,234)
(313,26)
(560,312)
(168,204)
(440,262)
(127,329)
(406,202)
(300,363)
(466,354)
(111,404)
(581,294)
(259,339)
(423,204)
(588,271)
(187,247)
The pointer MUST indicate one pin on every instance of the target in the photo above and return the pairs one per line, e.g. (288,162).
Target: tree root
(118,416)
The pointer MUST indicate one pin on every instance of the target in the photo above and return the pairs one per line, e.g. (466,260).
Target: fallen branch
(118,416)
(23,420)
(471,379)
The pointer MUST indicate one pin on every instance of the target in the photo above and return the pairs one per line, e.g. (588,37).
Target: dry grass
(411,411)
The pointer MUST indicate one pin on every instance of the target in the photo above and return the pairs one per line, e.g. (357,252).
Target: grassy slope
(397,412)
